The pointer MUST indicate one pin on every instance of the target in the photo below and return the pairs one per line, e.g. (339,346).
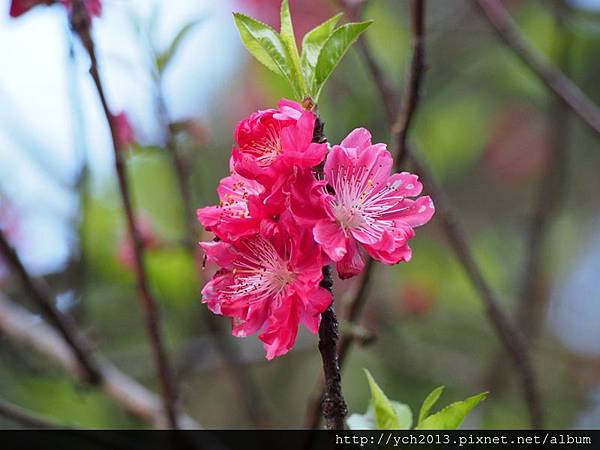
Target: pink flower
(369,209)
(20,7)
(240,211)
(272,142)
(125,135)
(269,284)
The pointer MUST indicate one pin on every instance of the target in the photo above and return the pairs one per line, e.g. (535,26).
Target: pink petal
(406,184)
(353,262)
(378,163)
(392,256)
(255,317)
(332,238)
(220,252)
(338,157)
(418,213)
(280,334)
(358,138)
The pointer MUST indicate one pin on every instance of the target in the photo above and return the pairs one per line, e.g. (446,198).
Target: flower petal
(332,238)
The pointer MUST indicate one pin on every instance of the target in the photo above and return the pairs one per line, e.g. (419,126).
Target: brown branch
(552,77)
(80,22)
(332,403)
(507,333)
(313,411)
(410,99)
(26,418)
(40,294)
(25,328)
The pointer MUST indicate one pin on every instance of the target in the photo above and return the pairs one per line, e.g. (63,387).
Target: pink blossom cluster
(279,221)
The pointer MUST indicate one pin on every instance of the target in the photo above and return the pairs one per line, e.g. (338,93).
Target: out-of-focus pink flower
(150,240)
(125,134)
(518,145)
(241,210)
(271,143)
(20,7)
(369,209)
(269,284)
(417,299)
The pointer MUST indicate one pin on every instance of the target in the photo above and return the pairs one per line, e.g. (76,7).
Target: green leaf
(312,43)
(367,421)
(428,403)
(388,415)
(164,58)
(265,44)
(333,51)
(404,416)
(289,40)
(450,417)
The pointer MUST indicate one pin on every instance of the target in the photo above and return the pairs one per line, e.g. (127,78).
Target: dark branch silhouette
(40,294)
(332,402)
(25,328)
(80,22)
(410,99)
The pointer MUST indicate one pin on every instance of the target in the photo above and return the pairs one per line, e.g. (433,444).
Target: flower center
(260,271)
(266,149)
(364,204)
(347,217)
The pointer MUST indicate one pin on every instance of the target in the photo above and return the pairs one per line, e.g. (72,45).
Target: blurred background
(485,124)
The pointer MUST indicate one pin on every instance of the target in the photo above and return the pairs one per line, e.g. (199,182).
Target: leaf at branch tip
(428,403)
(312,43)
(334,50)
(452,416)
(265,44)
(289,40)
(389,415)
(164,58)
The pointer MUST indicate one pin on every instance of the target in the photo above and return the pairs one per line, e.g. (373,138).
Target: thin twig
(26,418)
(410,99)
(552,77)
(25,328)
(507,333)
(333,404)
(42,297)
(80,22)
(351,316)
